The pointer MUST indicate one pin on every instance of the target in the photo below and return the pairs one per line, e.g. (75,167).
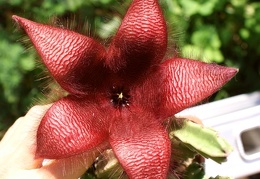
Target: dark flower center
(119,96)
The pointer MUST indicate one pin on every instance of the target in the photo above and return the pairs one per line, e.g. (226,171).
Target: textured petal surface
(186,82)
(141,144)
(74,60)
(177,84)
(71,126)
(141,40)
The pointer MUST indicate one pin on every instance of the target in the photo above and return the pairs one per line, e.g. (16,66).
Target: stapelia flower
(119,94)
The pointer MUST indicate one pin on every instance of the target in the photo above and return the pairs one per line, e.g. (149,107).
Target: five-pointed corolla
(120,94)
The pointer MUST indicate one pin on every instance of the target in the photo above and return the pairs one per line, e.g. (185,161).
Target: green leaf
(183,152)
(27,63)
(109,28)
(10,76)
(204,8)
(220,177)
(194,171)
(213,55)
(239,2)
(245,34)
(203,140)
(206,36)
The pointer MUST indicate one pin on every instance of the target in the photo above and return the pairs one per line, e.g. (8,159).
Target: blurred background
(224,32)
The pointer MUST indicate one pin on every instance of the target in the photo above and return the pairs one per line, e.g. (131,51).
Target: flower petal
(141,40)
(141,144)
(74,60)
(177,84)
(187,82)
(71,126)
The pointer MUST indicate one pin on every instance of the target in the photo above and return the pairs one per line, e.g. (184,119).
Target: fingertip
(38,111)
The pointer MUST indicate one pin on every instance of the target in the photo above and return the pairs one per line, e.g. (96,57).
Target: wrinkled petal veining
(119,94)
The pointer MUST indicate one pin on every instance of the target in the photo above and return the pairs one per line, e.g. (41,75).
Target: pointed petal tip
(15,17)
(228,72)
(22,21)
(232,71)
(18,19)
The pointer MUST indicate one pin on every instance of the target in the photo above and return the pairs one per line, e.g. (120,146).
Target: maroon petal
(187,82)
(141,144)
(140,41)
(74,60)
(71,126)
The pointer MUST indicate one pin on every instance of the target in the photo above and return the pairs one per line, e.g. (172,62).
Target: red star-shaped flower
(119,94)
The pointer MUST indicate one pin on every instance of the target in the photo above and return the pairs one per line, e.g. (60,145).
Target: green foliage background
(225,32)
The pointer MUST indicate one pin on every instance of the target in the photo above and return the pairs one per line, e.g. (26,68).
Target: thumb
(18,146)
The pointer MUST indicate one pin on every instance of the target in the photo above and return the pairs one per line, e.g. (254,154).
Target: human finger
(18,146)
